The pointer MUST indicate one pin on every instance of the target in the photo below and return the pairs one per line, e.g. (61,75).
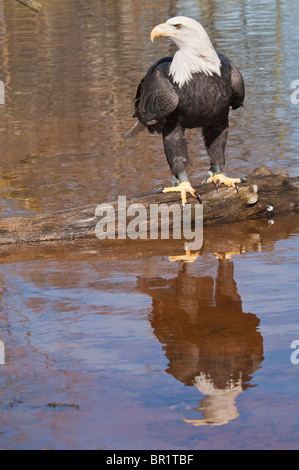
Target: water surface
(114,345)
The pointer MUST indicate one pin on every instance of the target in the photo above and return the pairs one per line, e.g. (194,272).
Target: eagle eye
(177,26)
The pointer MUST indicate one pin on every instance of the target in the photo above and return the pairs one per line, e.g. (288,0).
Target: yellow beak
(160,30)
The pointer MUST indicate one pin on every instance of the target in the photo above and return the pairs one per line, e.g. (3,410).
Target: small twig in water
(35,6)
(54,404)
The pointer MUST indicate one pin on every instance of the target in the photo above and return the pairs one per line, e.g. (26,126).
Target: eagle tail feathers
(138,127)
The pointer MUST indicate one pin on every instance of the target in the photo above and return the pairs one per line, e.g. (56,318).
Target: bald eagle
(194,89)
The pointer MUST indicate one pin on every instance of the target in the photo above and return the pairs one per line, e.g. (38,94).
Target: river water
(117,345)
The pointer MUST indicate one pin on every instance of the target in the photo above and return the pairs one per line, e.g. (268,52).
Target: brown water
(135,350)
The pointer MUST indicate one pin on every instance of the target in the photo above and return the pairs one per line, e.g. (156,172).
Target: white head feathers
(196,52)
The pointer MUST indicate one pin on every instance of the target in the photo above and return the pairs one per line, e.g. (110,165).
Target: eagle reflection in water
(209,341)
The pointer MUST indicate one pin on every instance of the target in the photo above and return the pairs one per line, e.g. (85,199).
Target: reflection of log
(250,235)
(31,4)
(264,195)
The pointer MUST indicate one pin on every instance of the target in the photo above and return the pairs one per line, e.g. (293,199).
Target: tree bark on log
(264,195)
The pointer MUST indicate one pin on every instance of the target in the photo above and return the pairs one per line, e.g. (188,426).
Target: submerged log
(264,195)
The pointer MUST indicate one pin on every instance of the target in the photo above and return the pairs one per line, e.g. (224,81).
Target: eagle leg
(175,147)
(174,181)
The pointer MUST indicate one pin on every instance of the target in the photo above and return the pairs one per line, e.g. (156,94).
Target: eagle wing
(156,96)
(238,87)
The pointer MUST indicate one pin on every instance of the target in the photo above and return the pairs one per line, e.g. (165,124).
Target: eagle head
(196,52)
(181,30)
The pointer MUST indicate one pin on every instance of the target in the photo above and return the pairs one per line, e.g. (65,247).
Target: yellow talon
(228,254)
(182,188)
(187,258)
(220,178)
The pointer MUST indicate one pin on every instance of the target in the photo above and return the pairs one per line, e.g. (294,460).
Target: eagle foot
(220,178)
(183,188)
(228,254)
(188,257)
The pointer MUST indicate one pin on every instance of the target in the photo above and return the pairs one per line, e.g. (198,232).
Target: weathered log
(35,6)
(264,195)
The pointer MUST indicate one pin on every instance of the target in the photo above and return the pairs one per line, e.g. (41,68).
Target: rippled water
(115,346)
